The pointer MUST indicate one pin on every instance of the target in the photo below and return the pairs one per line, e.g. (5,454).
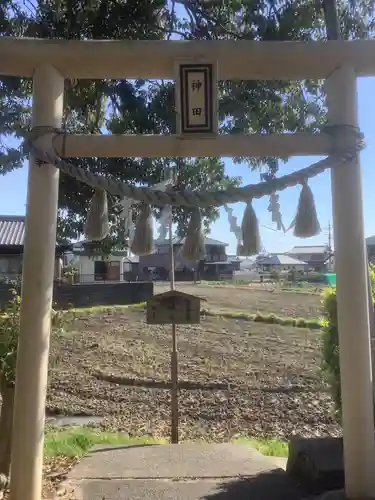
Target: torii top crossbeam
(237,60)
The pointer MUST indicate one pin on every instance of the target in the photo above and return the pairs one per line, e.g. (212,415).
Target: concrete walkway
(186,472)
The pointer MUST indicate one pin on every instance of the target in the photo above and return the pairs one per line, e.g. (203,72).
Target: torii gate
(49,62)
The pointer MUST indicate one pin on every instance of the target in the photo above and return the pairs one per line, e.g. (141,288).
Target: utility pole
(329,236)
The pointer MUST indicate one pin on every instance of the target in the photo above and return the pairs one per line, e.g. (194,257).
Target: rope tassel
(143,235)
(194,247)
(306,222)
(97,222)
(250,233)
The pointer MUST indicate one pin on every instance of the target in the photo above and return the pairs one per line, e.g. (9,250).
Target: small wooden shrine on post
(49,62)
(174,308)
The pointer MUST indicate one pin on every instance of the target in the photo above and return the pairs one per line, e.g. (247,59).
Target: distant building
(316,257)
(235,261)
(247,264)
(281,262)
(214,265)
(93,267)
(12,235)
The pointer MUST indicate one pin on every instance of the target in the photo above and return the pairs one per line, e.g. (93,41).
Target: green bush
(9,333)
(9,329)
(330,341)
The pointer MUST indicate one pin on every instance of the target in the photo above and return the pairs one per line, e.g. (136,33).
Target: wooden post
(37,290)
(352,299)
(174,353)
(174,392)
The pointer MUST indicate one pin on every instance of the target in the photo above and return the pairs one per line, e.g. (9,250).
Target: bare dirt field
(252,300)
(236,377)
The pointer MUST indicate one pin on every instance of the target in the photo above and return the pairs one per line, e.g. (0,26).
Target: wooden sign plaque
(173,307)
(196,99)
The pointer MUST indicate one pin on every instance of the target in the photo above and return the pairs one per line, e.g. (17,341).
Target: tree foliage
(147,107)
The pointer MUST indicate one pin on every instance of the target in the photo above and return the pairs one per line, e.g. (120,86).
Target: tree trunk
(6,424)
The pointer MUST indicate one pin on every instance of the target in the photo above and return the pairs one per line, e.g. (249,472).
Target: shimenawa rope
(348,141)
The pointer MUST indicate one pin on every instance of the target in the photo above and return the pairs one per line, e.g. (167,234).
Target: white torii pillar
(37,290)
(352,299)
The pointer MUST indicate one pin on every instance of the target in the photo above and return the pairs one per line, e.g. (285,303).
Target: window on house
(100,270)
(10,265)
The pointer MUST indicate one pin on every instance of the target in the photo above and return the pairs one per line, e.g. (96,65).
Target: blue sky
(13,189)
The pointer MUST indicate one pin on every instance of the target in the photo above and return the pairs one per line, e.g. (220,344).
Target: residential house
(281,262)
(214,265)
(317,257)
(131,268)
(12,234)
(247,264)
(94,268)
(235,261)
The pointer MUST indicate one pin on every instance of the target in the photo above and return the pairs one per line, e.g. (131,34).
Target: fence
(94,294)
(100,278)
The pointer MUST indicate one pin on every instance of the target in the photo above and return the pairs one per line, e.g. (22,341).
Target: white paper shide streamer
(234,227)
(165,223)
(126,214)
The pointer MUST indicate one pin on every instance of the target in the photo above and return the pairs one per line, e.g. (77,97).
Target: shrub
(9,332)
(9,329)
(330,341)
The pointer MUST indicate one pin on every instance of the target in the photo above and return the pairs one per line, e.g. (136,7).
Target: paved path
(184,472)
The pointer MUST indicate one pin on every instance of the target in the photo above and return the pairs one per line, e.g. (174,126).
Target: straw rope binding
(348,142)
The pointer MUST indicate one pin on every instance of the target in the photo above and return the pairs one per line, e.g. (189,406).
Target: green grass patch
(227,282)
(270,319)
(77,441)
(100,308)
(268,447)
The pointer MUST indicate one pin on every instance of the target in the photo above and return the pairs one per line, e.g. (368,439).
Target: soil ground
(252,299)
(236,377)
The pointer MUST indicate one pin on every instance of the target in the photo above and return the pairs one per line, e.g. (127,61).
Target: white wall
(86,267)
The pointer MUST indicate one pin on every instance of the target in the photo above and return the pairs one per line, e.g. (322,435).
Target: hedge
(330,341)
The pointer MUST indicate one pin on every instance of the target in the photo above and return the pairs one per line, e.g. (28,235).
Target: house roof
(133,259)
(281,260)
(176,293)
(370,240)
(234,258)
(309,249)
(180,241)
(247,263)
(12,230)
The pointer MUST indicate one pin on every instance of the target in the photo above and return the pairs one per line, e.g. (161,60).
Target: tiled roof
(179,241)
(308,249)
(12,230)
(281,260)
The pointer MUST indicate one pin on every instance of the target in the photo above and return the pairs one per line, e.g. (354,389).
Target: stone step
(186,471)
